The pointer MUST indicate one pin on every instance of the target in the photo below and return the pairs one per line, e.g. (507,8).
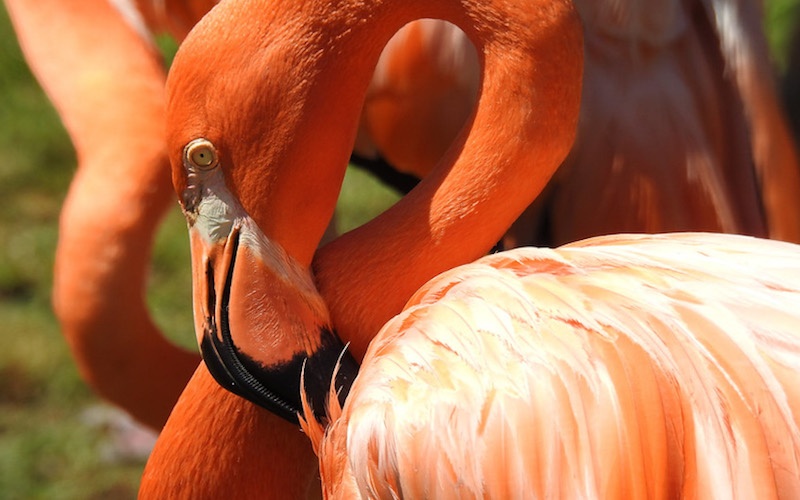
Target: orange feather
(619,367)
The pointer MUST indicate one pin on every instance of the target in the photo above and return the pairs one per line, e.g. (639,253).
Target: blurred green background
(56,438)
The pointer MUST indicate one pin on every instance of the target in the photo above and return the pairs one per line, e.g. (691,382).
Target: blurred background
(57,440)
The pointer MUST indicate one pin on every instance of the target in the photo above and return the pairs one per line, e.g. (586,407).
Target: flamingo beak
(235,326)
(212,269)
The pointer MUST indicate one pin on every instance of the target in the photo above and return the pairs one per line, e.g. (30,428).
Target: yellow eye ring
(200,153)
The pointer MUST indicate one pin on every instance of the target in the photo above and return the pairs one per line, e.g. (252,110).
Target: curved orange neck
(218,445)
(115,201)
(522,129)
(317,61)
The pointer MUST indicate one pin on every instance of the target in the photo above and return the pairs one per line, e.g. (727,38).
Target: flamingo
(618,367)
(116,202)
(121,190)
(115,125)
(690,80)
(680,124)
(602,327)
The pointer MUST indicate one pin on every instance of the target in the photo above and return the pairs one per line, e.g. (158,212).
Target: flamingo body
(616,367)
(660,365)
(678,108)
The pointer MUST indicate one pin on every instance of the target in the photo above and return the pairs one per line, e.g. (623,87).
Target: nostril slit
(212,293)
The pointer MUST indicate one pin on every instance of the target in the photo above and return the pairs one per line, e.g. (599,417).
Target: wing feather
(621,366)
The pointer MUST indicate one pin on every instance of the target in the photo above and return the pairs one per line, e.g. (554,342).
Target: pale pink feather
(617,367)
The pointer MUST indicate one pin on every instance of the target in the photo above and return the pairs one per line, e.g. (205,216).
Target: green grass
(782,17)
(47,450)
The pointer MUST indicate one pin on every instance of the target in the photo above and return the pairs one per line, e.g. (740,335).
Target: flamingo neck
(296,74)
(522,129)
(217,445)
(299,72)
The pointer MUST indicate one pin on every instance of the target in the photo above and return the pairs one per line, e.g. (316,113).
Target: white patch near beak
(216,210)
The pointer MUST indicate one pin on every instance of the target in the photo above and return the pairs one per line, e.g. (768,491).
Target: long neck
(522,129)
(317,58)
(217,445)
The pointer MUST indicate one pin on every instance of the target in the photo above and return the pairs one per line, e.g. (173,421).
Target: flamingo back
(617,367)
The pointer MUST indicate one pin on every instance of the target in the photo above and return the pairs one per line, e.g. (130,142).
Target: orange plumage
(645,355)
(445,207)
(618,367)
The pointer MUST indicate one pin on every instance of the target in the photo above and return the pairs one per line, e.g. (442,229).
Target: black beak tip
(225,365)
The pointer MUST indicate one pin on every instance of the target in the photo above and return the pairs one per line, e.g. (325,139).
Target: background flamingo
(116,200)
(250,266)
(424,88)
(681,124)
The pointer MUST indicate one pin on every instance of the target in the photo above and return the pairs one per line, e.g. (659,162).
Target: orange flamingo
(680,125)
(99,297)
(107,82)
(77,52)
(680,128)
(602,309)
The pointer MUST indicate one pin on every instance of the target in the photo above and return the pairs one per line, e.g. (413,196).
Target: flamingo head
(254,223)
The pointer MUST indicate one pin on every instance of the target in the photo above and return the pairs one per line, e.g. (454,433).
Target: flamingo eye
(200,153)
